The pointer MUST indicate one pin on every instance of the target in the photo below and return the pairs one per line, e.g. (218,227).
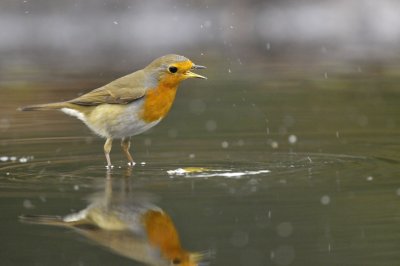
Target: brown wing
(121,91)
(111,96)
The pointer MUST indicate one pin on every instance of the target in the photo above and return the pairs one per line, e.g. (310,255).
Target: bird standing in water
(131,104)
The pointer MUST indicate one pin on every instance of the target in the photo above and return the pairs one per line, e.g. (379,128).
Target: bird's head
(172,69)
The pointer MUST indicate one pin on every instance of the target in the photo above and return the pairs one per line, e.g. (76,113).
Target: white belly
(115,121)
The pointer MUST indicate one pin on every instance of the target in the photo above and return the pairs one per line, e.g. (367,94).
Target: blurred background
(123,34)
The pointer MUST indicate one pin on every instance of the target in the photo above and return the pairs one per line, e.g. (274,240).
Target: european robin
(131,104)
(132,227)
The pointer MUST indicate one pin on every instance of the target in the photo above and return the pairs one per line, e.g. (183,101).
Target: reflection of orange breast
(162,233)
(157,103)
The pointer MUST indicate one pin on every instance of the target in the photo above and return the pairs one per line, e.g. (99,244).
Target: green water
(328,136)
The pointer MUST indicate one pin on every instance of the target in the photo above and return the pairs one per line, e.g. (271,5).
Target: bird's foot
(131,164)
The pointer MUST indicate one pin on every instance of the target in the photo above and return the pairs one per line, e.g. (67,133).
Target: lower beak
(190,74)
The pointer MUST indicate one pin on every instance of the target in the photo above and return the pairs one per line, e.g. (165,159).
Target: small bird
(129,225)
(131,104)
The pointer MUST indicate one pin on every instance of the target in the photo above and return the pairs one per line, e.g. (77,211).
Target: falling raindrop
(274,144)
(28,204)
(224,144)
(211,125)
(325,200)
(284,229)
(23,160)
(292,139)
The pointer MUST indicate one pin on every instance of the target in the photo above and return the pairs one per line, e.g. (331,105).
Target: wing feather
(121,91)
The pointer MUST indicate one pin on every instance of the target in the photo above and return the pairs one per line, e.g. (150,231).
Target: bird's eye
(176,261)
(172,69)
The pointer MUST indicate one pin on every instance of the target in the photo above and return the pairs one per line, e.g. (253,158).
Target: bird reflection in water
(130,225)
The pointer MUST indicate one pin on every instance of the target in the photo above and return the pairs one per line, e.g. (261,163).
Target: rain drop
(284,229)
(292,139)
(211,125)
(224,144)
(23,160)
(274,144)
(325,200)
(28,204)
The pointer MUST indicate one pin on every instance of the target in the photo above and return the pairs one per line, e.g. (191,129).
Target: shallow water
(288,166)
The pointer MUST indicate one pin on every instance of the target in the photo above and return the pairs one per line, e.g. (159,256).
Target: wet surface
(297,168)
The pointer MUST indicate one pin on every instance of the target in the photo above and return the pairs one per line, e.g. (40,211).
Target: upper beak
(198,67)
(190,74)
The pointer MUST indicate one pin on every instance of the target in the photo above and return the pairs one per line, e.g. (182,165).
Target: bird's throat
(158,102)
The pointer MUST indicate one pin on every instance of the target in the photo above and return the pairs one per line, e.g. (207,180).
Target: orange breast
(158,102)
(162,234)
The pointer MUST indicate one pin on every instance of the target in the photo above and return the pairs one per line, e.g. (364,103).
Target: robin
(131,104)
(131,226)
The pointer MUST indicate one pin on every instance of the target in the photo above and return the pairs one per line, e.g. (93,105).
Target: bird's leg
(126,144)
(107,150)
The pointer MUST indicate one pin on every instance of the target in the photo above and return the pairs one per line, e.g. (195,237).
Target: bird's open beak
(190,74)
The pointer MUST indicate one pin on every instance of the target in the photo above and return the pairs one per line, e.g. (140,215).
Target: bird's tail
(47,106)
(43,219)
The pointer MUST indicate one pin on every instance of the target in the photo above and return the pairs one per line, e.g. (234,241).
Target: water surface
(299,165)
